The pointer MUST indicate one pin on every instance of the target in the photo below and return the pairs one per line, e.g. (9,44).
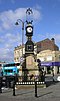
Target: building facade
(45,50)
(49,56)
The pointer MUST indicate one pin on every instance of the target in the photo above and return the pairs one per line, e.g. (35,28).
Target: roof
(46,44)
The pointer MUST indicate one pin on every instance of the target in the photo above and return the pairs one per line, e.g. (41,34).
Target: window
(49,58)
(29,47)
(9,71)
(42,59)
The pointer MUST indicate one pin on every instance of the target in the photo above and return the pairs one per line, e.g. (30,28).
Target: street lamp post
(17,23)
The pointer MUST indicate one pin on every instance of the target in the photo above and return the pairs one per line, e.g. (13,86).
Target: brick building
(47,44)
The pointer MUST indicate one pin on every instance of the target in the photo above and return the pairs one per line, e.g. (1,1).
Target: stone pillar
(45,69)
(30,62)
(55,69)
(51,69)
(31,66)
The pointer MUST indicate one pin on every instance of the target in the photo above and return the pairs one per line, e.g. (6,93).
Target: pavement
(50,93)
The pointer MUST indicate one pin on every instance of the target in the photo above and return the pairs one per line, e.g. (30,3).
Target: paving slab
(50,93)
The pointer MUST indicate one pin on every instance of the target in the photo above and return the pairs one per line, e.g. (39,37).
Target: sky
(46,22)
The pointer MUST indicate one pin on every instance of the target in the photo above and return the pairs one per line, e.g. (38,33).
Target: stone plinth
(32,67)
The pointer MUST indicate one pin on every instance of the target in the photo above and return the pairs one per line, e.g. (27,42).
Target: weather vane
(29,11)
(29,15)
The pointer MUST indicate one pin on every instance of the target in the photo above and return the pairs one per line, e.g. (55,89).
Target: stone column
(45,69)
(55,69)
(51,69)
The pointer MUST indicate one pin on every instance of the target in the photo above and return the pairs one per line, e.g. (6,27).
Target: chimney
(53,40)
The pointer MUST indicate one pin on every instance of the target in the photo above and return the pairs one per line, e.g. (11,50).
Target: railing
(11,81)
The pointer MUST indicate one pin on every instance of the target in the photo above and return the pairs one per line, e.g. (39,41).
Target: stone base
(32,67)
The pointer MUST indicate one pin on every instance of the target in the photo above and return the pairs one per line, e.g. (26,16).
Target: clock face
(29,29)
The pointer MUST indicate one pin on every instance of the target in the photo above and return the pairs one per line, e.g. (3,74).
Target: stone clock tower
(29,69)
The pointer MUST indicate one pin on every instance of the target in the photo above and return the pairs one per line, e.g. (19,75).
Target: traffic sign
(21,59)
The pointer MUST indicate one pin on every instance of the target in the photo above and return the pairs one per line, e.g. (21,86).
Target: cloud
(6,55)
(7,46)
(56,36)
(42,36)
(10,35)
(8,18)
(36,15)
(11,39)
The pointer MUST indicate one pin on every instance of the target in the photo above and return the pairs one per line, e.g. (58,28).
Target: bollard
(35,88)
(0,84)
(13,88)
